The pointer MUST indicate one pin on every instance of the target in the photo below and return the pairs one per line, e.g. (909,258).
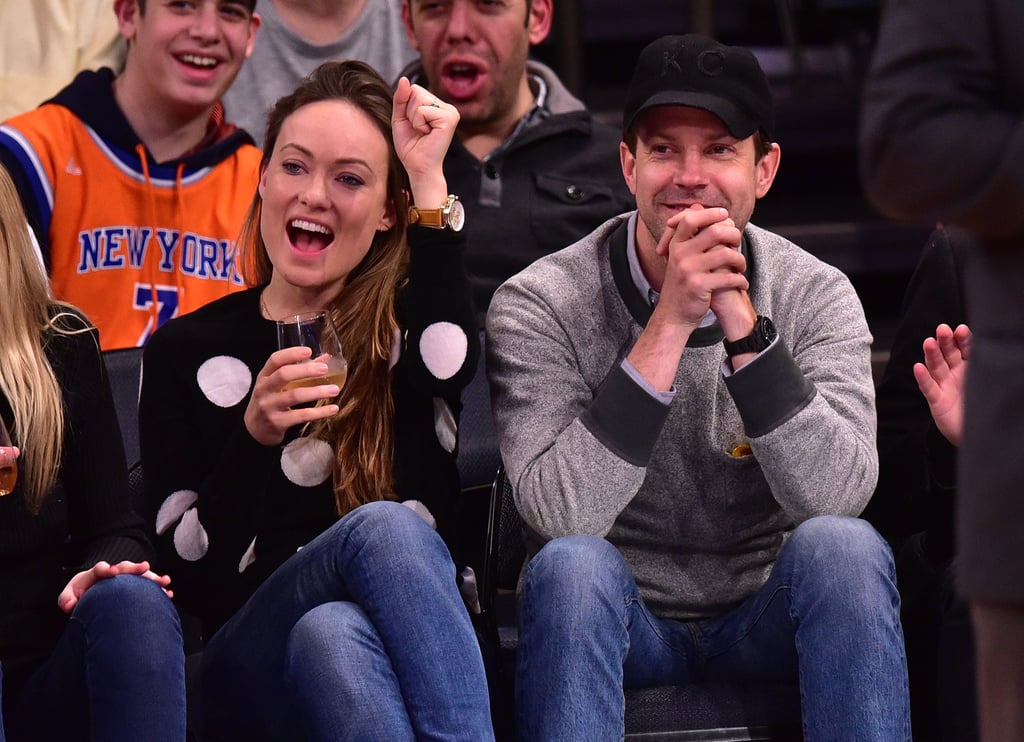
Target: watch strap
(759,339)
(433,218)
(426,217)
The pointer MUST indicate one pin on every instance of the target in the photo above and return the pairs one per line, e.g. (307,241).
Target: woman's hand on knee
(81,582)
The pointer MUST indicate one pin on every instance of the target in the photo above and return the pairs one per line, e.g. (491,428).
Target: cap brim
(736,121)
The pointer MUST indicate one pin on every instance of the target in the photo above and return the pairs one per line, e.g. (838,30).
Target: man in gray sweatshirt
(686,411)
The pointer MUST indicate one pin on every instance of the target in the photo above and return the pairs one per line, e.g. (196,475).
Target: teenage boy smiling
(135,185)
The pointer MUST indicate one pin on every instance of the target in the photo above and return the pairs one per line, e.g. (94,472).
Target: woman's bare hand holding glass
(273,407)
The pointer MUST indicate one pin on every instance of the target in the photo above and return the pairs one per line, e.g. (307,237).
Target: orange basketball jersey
(131,243)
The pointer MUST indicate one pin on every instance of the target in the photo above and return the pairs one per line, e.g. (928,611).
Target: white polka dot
(248,557)
(423,511)
(444,425)
(307,461)
(396,349)
(443,347)
(173,508)
(190,538)
(224,380)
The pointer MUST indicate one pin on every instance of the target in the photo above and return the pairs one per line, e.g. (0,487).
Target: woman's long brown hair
(362,433)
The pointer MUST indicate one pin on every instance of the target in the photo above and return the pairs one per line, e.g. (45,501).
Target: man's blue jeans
(361,635)
(828,615)
(117,673)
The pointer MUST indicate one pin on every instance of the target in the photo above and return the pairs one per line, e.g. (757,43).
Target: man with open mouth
(534,169)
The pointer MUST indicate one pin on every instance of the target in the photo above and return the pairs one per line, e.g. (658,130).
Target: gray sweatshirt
(281,59)
(589,451)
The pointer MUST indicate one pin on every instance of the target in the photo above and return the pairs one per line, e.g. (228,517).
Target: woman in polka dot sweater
(307,527)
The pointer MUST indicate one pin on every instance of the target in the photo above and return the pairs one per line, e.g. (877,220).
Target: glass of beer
(8,462)
(316,331)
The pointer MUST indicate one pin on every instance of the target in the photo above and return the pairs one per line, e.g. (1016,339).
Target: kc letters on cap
(694,70)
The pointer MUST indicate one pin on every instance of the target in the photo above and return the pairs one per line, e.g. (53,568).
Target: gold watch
(450,215)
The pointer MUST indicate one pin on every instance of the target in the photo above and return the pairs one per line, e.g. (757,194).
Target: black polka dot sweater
(228,510)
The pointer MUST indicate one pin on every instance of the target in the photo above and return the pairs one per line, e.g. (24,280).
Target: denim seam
(655,628)
(750,625)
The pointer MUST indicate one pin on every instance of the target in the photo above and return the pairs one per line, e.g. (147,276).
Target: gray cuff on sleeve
(625,418)
(770,391)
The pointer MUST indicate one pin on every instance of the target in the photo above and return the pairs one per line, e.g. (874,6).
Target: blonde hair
(27,380)
(362,433)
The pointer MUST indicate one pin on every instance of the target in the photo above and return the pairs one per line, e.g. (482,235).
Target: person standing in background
(942,140)
(913,504)
(44,43)
(297,35)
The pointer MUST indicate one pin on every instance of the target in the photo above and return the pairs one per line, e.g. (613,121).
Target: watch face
(456,216)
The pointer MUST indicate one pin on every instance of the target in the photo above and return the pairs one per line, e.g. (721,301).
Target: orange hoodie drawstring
(152,270)
(179,202)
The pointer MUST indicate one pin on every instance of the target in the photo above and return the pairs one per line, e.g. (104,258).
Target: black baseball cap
(693,70)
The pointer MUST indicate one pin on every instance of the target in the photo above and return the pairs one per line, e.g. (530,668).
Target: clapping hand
(941,378)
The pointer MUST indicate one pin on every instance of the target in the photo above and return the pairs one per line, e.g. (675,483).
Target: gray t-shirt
(280,59)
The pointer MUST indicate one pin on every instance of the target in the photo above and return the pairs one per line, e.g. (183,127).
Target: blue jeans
(361,635)
(117,672)
(827,616)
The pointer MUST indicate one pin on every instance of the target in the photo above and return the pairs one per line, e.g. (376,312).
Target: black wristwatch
(764,334)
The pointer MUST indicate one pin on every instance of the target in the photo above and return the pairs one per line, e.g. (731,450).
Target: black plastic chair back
(124,370)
